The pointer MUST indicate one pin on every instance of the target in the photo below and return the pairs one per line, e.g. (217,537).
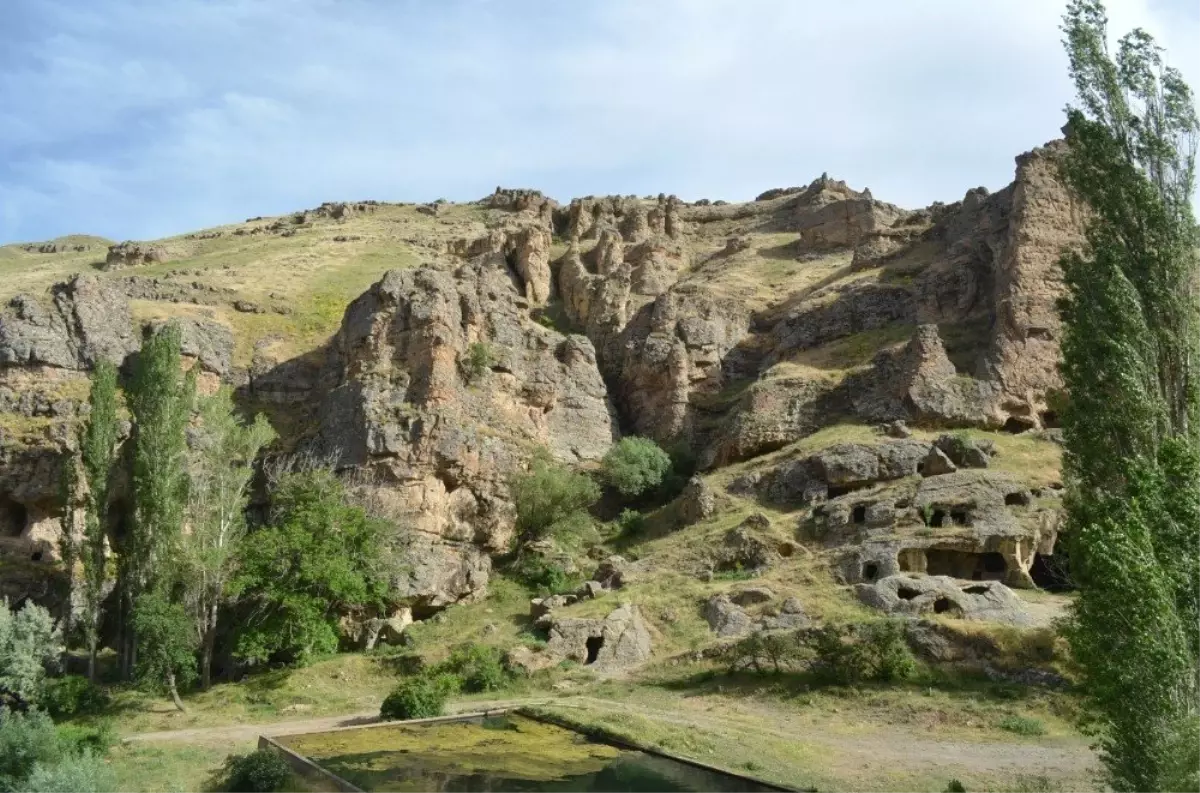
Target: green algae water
(505,753)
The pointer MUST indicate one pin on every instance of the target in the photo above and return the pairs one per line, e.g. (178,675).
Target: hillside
(862,394)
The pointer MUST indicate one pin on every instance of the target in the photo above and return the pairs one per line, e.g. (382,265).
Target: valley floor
(868,738)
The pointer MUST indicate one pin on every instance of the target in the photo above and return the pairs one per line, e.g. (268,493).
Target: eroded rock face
(439,434)
(619,640)
(87,321)
(988,601)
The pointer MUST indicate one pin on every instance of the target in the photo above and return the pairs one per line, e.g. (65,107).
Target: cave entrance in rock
(1052,572)
(966,565)
(870,571)
(860,514)
(594,643)
(13,517)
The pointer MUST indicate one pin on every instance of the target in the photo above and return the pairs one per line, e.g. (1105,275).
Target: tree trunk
(206,654)
(175,692)
(92,657)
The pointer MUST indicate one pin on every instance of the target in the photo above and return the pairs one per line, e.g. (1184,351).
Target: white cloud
(137,118)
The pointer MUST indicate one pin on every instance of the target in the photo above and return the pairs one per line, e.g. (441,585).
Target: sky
(137,119)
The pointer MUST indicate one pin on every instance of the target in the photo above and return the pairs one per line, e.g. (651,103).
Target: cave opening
(966,565)
(1049,419)
(1017,499)
(594,643)
(937,518)
(959,517)
(1015,425)
(907,593)
(1052,572)
(942,605)
(870,571)
(860,514)
(13,517)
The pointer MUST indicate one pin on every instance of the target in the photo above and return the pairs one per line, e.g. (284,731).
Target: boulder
(742,549)
(527,660)
(966,452)
(988,601)
(937,463)
(611,572)
(132,254)
(725,618)
(750,596)
(697,502)
(620,640)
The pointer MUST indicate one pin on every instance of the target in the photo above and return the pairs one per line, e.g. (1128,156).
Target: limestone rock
(697,502)
(937,463)
(749,596)
(742,548)
(988,601)
(611,572)
(89,321)
(966,452)
(132,254)
(620,640)
(527,660)
(725,618)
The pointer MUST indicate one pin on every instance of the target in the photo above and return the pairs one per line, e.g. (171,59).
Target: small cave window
(1017,499)
(594,643)
(977,589)
(937,518)
(860,514)
(36,556)
(1049,419)
(942,605)
(959,517)
(834,491)
(908,593)
(921,467)
(870,571)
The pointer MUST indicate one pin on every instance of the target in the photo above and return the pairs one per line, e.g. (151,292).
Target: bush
(29,643)
(82,773)
(479,667)
(73,695)
(545,577)
(478,360)
(765,652)
(867,652)
(1022,725)
(549,495)
(634,466)
(26,740)
(261,771)
(631,522)
(954,786)
(420,697)
(94,738)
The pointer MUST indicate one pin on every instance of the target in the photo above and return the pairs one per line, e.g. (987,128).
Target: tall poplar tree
(160,398)
(1132,423)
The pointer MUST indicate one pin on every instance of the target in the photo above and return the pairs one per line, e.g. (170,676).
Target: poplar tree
(220,467)
(99,455)
(1132,422)
(160,399)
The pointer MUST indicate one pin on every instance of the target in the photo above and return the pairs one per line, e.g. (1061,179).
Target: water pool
(509,752)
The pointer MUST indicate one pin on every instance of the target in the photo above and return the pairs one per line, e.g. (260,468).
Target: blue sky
(143,118)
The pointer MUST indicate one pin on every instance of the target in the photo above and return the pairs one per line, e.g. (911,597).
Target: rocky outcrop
(525,249)
(618,641)
(133,254)
(987,601)
(438,434)
(725,618)
(88,320)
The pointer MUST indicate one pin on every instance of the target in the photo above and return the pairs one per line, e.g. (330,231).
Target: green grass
(1022,725)
(170,766)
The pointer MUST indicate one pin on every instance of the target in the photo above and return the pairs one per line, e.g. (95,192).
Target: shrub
(420,697)
(548,495)
(26,740)
(94,738)
(764,652)
(635,465)
(81,773)
(854,654)
(954,786)
(478,360)
(1022,725)
(631,522)
(479,667)
(29,643)
(261,771)
(73,695)
(545,577)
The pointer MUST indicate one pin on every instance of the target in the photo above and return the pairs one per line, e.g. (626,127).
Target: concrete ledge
(306,768)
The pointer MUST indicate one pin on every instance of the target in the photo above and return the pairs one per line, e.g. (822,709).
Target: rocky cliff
(492,330)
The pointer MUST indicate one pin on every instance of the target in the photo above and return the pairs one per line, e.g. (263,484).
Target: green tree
(29,643)
(166,653)
(220,467)
(98,456)
(549,494)
(319,558)
(635,465)
(160,398)
(1131,423)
